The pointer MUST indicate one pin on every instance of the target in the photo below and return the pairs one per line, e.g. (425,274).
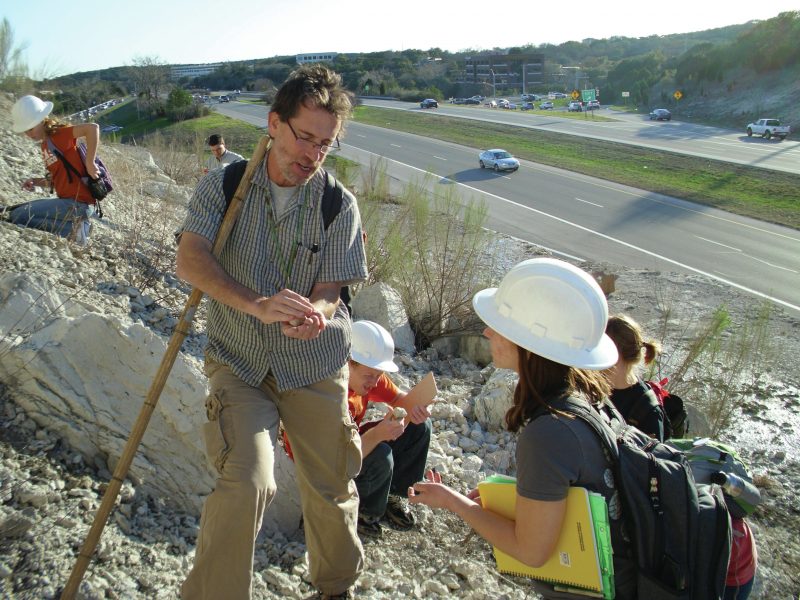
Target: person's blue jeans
(61,216)
(738,592)
(392,467)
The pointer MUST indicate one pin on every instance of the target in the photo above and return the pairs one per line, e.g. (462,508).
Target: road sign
(588,95)
(575,94)
(626,94)
(677,95)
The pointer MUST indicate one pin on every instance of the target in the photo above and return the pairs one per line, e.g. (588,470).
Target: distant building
(511,71)
(316,57)
(191,71)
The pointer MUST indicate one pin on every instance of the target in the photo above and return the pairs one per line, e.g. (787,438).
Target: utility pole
(494,85)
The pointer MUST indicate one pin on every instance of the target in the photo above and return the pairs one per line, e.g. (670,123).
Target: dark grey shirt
(554,453)
(253,257)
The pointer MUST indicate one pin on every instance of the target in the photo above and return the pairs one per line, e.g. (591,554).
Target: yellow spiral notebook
(583,559)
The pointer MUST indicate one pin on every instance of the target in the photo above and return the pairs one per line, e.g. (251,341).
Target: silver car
(498,159)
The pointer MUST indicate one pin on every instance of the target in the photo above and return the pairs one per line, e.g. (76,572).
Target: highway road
(581,217)
(636,129)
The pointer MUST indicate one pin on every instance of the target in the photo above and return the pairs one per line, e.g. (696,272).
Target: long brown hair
(541,380)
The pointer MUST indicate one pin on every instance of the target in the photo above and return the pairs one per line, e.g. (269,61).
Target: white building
(192,71)
(316,57)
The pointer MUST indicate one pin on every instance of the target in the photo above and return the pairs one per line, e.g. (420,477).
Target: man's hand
(284,307)
(305,328)
(29,184)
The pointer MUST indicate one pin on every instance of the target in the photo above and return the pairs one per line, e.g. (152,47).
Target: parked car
(530,97)
(472,101)
(498,159)
(459,101)
(429,103)
(574,107)
(490,104)
(592,105)
(502,103)
(224,99)
(528,106)
(546,105)
(660,114)
(510,106)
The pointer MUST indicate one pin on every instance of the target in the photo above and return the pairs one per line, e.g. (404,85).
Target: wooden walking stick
(181,331)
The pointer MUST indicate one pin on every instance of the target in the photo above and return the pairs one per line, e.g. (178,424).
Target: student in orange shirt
(393,450)
(68,214)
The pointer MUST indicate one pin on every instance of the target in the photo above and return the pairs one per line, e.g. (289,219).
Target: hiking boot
(369,526)
(346,595)
(399,512)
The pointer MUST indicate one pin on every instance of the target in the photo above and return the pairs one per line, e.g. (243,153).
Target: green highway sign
(589,95)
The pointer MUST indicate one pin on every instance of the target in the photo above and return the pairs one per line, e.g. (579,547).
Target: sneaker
(399,512)
(369,526)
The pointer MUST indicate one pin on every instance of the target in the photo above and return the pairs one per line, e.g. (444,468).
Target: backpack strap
(332,199)
(68,165)
(332,195)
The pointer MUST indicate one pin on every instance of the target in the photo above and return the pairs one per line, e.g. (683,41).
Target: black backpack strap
(68,165)
(231,179)
(332,199)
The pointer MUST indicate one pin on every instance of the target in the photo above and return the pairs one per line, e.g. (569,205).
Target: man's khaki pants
(240,438)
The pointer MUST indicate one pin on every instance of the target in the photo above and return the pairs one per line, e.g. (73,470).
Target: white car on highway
(498,159)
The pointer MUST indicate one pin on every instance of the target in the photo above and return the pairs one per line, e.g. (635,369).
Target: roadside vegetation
(749,191)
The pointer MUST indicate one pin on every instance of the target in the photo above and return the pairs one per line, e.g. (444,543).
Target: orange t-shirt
(64,141)
(385,391)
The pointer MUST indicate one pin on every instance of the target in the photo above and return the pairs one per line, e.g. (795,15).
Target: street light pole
(494,85)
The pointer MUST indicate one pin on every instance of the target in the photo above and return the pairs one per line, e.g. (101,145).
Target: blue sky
(97,34)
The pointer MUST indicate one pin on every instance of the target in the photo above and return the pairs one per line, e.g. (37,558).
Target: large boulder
(83,373)
(382,304)
(494,400)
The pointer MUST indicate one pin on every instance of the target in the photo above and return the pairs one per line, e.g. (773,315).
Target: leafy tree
(179,104)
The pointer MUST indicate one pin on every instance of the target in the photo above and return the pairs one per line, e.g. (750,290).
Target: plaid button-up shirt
(249,347)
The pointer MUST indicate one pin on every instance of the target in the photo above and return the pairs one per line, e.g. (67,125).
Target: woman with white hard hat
(68,214)
(546,321)
(394,449)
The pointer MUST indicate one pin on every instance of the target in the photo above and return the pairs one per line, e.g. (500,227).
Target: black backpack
(675,417)
(679,531)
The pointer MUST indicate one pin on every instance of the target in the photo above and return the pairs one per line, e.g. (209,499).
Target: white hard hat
(552,309)
(28,112)
(373,346)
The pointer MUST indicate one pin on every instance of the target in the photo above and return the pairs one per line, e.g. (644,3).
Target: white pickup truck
(768,128)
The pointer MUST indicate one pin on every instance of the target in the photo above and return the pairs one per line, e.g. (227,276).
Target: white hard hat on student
(373,346)
(552,309)
(28,112)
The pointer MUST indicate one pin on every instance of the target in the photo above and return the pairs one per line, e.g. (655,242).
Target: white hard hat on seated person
(373,346)
(28,112)
(552,309)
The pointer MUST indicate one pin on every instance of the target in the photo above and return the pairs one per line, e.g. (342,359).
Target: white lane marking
(396,145)
(602,235)
(750,256)
(360,135)
(439,157)
(587,202)
(718,243)
(674,203)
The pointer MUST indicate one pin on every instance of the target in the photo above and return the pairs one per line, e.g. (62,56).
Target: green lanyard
(286,265)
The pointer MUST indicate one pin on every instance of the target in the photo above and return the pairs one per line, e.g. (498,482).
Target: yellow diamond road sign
(677,95)
(575,94)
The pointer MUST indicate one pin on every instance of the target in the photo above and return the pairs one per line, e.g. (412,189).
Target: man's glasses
(308,144)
